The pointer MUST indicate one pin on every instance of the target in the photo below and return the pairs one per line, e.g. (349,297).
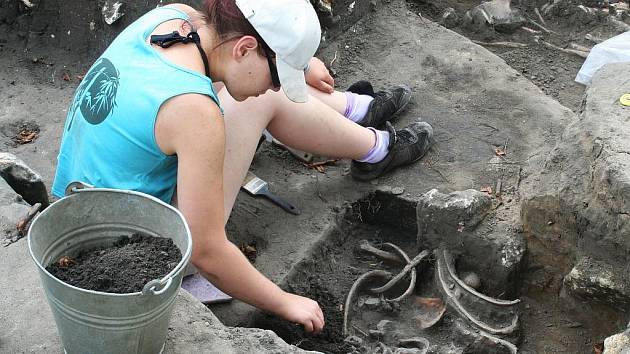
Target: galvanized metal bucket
(98,322)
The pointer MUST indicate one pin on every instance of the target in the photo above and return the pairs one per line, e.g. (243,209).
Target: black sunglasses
(275,80)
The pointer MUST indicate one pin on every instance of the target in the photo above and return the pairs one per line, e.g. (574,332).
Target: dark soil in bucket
(124,267)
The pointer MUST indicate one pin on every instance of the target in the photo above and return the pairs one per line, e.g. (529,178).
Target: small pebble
(471,279)
(372,302)
(376,333)
(384,325)
(354,341)
(398,190)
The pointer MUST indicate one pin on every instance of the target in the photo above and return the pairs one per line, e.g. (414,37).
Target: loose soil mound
(124,267)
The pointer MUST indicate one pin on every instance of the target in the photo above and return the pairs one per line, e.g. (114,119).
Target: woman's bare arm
(192,127)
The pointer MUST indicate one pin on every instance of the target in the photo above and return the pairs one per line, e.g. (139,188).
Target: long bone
(366,246)
(448,259)
(452,299)
(410,267)
(353,290)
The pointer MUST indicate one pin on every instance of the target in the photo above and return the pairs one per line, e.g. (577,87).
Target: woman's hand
(302,310)
(318,76)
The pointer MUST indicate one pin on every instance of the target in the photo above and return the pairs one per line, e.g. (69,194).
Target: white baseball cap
(291,29)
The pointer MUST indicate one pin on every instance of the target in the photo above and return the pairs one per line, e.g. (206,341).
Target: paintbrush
(257,187)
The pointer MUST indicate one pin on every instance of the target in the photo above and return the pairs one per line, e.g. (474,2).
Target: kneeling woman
(148,118)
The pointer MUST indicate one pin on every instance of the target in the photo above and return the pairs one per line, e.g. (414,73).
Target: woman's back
(109,136)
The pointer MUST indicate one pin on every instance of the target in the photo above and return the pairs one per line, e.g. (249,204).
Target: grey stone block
(440,215)
(618,344)
(496,14)
(599,281)
(462,223)
(23,179)
(195,329)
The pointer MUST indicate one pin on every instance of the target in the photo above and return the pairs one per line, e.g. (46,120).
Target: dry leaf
(487,190)
(499,152)
(319,166)
(249,251)
(25,137)
(66,262)
(431,311)
(598,348)
(65,76)
(80,77)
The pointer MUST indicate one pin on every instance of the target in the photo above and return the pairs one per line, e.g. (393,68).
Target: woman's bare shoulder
(187,117)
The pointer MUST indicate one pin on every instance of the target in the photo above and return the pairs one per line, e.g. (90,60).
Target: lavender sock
(380,149)
(356,106)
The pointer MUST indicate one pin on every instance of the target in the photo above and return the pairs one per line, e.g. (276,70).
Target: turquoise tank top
(108,139)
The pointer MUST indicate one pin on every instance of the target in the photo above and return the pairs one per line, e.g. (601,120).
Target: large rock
(580,205)
(496,14)
(442,216)
(618,344)
(599,280)
(464,223)
(195,329)
(23,179)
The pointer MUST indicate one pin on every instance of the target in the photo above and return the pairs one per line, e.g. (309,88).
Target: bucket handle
(156,287)
(76,186)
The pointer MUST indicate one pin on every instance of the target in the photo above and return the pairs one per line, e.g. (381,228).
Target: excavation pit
(428,320)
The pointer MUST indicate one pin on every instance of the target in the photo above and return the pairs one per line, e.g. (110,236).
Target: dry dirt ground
(477,102)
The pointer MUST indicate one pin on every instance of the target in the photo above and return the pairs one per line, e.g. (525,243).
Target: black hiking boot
(386,104)
(405,146)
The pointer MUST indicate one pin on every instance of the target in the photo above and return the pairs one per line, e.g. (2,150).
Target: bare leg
(312,126)
(336,100)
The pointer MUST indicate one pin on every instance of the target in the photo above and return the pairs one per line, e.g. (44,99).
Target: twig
(23,223)
(333,60)
(542,20)
(568,51)
(27,3)
(502,44)
(518,181)
(579,47)
(530,30)
(505,146)
(541,26)
(360,330)
(498,188)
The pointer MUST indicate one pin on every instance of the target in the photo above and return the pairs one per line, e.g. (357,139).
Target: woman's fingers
(308,326)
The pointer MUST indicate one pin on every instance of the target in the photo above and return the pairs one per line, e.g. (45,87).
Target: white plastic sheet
(613,50)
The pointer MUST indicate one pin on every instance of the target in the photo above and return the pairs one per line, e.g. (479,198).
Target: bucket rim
(164,280)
